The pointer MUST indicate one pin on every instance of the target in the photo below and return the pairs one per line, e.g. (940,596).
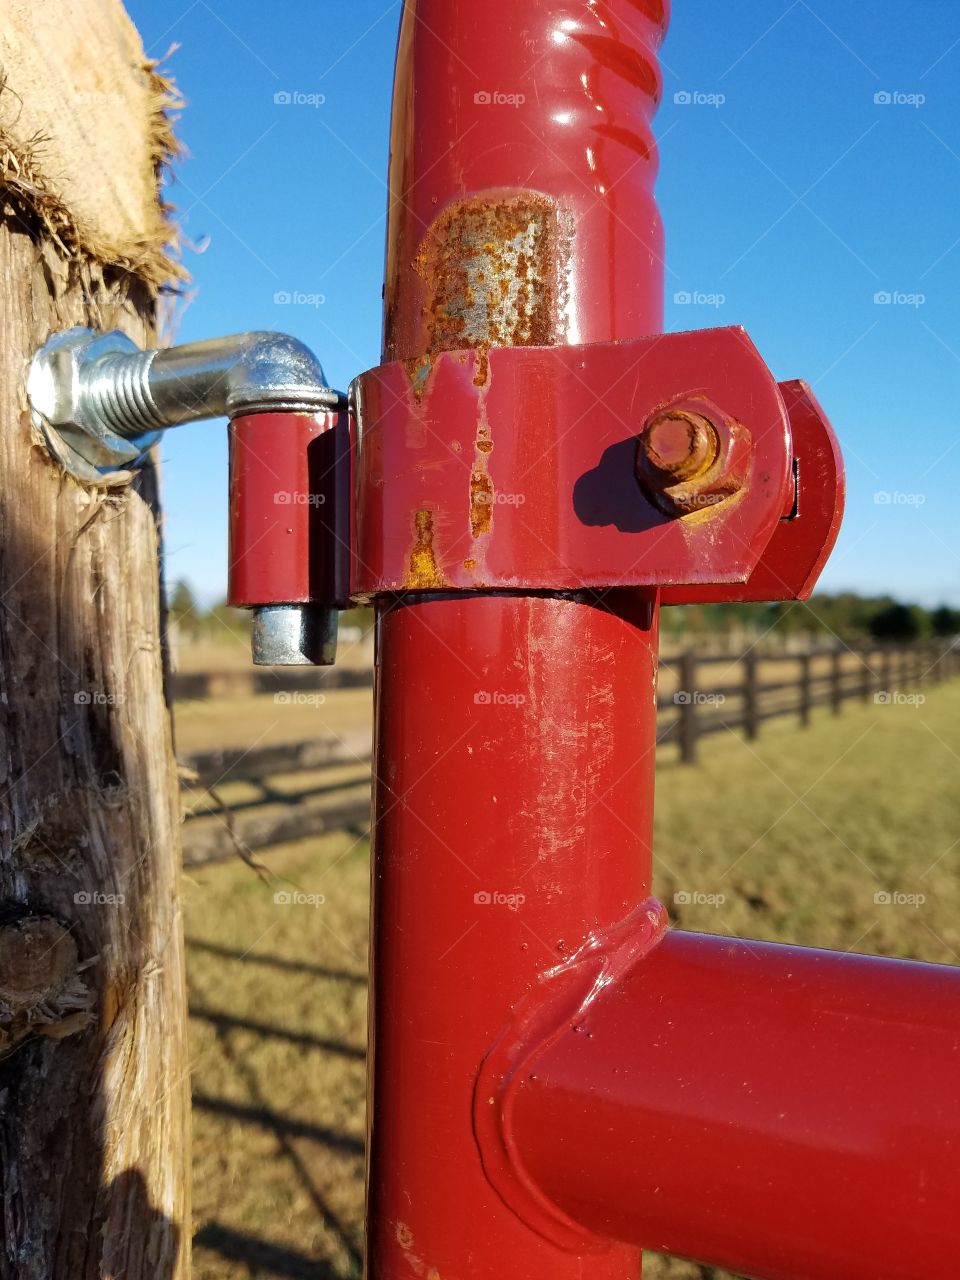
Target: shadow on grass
(275,962)
(279,1125)
(261,1256)
(223,1022)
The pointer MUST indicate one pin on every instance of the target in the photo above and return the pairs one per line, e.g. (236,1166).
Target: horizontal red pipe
(785,1113)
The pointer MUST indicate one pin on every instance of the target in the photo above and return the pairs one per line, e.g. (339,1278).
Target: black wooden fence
(300,789)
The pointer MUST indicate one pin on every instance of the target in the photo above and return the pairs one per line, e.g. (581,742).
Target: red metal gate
(557,1081)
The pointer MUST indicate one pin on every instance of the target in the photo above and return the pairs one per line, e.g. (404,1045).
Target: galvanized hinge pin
(101,402)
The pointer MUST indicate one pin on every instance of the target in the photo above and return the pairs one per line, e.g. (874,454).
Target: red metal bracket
(517,467)
(802,541)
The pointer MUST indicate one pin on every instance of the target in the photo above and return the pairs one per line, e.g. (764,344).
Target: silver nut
(58,383)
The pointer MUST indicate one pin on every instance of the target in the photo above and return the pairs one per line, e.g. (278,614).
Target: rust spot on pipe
(481,503)
(418,371)
(423,572)
(495,268)
(481,486)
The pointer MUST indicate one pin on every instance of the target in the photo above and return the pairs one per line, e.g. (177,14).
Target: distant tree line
(849,616)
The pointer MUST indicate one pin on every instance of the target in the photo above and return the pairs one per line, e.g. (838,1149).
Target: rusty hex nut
(677,446)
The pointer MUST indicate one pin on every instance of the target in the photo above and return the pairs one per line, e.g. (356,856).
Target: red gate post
(534,478)
(514,732)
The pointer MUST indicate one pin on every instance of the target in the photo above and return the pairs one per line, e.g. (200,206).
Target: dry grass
(798,831)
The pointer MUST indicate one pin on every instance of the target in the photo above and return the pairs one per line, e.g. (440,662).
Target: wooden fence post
(866,675)
(836,682)
(887,669)
(687,708)
(94,1089)
(751,720)
(805,689)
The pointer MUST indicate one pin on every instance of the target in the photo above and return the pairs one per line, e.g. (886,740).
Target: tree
(182,606)
(945,621)
(896,622)
(93,1079)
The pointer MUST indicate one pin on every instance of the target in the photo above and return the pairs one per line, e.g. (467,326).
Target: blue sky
(810,161)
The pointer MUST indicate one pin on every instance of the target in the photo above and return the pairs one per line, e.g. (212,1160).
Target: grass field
(796,833)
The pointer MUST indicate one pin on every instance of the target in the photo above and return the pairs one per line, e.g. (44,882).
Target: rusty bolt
(687,461)
(677,446)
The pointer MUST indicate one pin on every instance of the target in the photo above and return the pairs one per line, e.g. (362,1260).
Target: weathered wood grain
(94,1151)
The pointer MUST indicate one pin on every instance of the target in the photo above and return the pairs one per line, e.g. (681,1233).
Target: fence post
(866,675)
(94,1126)
(688,719)
(751,721)
(836,682)
(887,670)
(805,689)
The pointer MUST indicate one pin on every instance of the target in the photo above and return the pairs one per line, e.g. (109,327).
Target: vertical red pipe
(514,733)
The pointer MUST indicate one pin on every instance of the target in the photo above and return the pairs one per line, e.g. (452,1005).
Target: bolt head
(679,445)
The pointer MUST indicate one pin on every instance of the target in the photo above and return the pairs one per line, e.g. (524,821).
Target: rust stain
(423,572)
(418,371)
(481,486)
(481,502)
(495,268)
(482,372)
(470,564)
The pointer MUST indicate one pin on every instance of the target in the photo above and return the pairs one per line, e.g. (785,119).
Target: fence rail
(295,790)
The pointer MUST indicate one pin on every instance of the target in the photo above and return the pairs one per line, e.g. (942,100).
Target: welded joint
(559,1003)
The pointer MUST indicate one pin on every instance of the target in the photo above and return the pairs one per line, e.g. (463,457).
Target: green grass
(798,832)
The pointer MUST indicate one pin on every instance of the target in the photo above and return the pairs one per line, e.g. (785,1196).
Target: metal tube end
(294,635)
